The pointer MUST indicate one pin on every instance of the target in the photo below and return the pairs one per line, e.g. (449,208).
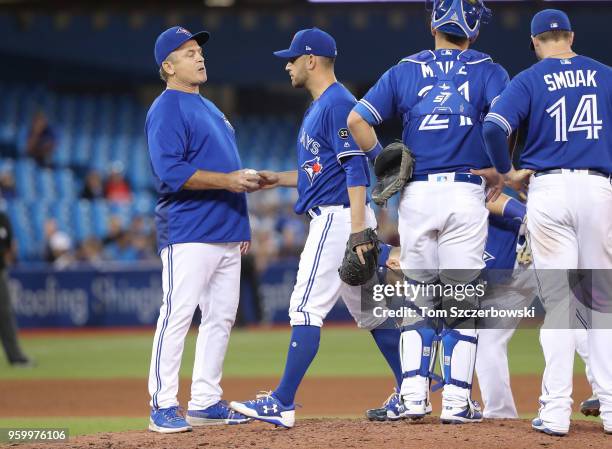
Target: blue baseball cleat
(590,406)
(469,413)
(218,413)
(394,409)
(266,407)
(391,410)
(538,424)
(168,420)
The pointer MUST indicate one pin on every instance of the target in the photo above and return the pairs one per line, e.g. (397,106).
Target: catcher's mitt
(393,169)
(352,271)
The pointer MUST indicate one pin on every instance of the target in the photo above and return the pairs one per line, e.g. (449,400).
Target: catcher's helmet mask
(458,17)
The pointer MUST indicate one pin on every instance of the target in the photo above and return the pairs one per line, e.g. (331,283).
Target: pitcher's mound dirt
(320,396)
(345,433)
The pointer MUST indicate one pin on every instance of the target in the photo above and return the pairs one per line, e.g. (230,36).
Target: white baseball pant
(194,275)
(442,226)
(570,228)
(318,285)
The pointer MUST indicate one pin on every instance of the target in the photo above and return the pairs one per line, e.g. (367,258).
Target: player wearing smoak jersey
(441,96)
(566,100)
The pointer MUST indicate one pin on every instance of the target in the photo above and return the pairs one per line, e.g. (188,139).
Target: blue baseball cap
(173,38)
(311,41)
(550,20)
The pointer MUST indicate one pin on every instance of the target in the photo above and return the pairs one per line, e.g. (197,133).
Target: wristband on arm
(514,210)
(374,151)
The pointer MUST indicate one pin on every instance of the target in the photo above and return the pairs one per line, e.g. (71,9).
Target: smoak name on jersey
(323,142)
(442,97)
(567,104)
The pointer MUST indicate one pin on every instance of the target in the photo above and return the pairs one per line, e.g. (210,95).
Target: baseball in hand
(250,171)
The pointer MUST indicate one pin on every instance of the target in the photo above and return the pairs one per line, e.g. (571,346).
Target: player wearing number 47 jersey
(441,97)
(566,100)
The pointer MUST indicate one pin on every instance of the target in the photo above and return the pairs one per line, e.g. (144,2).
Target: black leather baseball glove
(352,271)
(393,169)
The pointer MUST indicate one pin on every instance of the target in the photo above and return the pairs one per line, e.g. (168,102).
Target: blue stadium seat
(65,184)
(60,211)
(100,216)
(45,184)
(143,204)
(81,214)
(24,179)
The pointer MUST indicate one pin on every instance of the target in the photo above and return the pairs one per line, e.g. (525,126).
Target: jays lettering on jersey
(568,106)
(441,117)
(323,142)
(186,132)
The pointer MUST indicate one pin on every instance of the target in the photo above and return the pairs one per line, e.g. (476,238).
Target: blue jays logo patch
(313,168)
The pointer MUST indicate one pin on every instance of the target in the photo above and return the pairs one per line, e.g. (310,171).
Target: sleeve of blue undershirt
(356,169)
(497,146)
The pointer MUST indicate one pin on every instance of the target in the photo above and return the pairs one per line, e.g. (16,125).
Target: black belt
(558,171)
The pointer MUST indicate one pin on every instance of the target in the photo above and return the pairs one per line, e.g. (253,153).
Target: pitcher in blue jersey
(202,228)
(566,100)
(331,180)
(441,96)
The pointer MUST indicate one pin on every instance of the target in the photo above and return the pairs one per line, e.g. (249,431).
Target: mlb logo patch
(566,62)
(447,52)
(312,168)
(554,25)
(182,30)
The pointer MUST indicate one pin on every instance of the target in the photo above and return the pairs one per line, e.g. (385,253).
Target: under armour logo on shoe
(267,410)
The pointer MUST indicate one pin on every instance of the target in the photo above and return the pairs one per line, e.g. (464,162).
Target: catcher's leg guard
(418,346)
(457,357)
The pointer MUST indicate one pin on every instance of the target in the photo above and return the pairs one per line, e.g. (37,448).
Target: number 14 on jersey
(585,118)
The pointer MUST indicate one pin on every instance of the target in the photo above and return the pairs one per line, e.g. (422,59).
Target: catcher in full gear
(441,96)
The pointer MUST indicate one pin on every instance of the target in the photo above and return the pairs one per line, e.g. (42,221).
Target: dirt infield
(320,397)
(348,433)
(335,397)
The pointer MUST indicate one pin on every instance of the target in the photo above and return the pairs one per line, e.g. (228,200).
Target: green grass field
(344,352)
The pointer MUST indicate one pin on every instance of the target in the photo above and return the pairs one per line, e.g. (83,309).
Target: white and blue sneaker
(218,413)
(538,424)
(168,420)
(265,407)
(468,413)
(391,410)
